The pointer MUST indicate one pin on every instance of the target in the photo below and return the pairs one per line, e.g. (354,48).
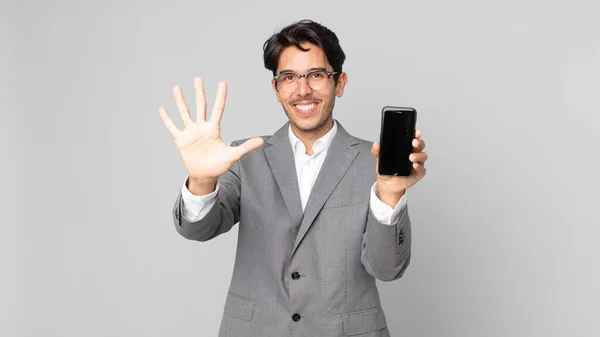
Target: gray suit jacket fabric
(310,273)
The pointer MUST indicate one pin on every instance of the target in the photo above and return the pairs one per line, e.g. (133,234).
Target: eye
(318,75)
(287,77)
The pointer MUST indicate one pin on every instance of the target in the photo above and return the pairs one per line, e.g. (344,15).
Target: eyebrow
(309,70)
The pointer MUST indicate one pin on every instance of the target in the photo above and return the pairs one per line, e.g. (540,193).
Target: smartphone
(397,133)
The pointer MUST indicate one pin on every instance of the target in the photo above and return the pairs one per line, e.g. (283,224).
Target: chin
(310,125)
(306,126)
(306,123)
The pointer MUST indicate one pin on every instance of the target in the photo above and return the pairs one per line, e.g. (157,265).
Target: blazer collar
(280,156)
(341,134)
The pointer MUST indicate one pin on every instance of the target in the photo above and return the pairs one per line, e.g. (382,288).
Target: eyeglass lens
(290,81)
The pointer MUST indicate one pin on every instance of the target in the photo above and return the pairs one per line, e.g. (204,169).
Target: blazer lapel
(280,156)
(340,156)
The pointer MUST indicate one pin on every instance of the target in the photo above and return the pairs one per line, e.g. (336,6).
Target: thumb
(248,146)
(375,152)
(375,149)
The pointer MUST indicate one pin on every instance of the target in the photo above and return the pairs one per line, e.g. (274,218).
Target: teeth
(305,107)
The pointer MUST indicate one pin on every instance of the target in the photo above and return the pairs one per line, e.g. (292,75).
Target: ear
(274,86)
(341,83)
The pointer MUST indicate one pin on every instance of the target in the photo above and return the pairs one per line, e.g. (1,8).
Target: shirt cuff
(384,213)
(195,207)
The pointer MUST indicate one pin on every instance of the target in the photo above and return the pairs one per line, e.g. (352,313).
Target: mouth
(305,108)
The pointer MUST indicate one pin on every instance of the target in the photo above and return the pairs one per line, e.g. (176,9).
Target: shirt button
(296,317)
(295,276)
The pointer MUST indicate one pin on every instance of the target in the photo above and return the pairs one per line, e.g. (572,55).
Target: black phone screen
(397,133)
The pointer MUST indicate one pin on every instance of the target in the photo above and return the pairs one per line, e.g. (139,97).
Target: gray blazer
(310,273)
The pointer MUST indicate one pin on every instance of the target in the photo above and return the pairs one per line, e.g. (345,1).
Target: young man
(317,225)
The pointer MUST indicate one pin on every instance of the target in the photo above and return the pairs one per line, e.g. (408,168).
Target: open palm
(202,151)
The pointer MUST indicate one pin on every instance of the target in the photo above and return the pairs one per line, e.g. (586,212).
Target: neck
(309,137)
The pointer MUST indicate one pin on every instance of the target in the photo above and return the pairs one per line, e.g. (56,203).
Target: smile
(306,107)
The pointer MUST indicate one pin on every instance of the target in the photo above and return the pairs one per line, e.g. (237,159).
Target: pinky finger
(168,122)
(420,170)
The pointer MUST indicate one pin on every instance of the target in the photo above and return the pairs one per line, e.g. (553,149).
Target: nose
(303,87)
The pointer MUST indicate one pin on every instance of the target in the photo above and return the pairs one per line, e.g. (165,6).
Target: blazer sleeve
(224,214)
(386,249)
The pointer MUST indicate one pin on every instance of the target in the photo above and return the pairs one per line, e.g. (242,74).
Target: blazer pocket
(361,322)
(238,307)
(341,203)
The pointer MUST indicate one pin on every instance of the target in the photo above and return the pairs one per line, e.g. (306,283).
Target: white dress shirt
(307,168)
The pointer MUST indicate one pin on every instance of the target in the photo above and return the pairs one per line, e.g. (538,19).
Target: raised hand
(202,151)
(391,188)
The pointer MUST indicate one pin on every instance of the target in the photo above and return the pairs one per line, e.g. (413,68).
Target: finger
(183,110)
(419,171)
(420,157)
(200,100)
(418,134)
(217,112)
(418,144)
(249,145)
(375,149)
(168,122)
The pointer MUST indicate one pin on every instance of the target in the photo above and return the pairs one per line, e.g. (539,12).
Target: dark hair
(299,32)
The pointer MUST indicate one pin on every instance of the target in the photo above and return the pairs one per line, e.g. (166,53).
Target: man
(317,225)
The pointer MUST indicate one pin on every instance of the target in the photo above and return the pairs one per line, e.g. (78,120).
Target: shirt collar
(321,144)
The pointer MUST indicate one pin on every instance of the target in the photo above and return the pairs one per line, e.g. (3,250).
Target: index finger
(217,112)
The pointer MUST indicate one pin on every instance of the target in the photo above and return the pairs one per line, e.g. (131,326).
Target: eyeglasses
(289,80)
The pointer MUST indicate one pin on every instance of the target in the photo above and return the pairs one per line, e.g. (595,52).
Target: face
(309,110)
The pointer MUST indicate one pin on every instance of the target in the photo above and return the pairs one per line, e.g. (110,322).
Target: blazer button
(296,317)
(177,213)
(295,276)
